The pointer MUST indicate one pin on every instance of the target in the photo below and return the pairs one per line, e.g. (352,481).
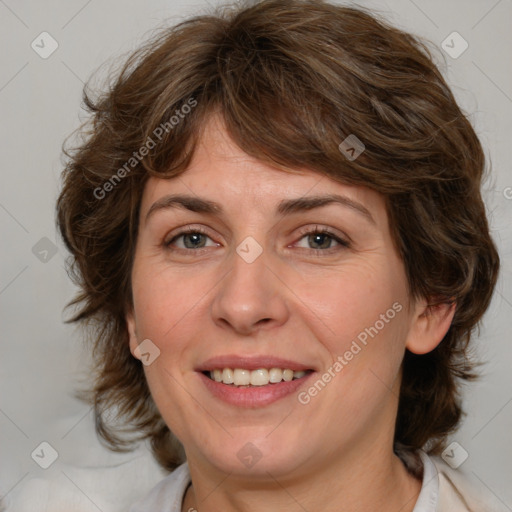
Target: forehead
(220,170)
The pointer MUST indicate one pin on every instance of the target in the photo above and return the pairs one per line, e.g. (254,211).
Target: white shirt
(443,490)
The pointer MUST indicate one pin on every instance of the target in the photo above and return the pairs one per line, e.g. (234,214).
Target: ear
(132,333)
(430,324)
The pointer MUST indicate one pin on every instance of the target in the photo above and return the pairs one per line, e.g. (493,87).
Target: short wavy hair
(292,79)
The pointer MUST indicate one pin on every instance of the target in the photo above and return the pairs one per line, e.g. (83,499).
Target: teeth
(275,375)
(242,377)
(260,377)
(228,376)
(288,375)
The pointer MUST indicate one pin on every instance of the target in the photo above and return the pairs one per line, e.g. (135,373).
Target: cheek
(360,319)
(165,301)
(352,299)
(166,308)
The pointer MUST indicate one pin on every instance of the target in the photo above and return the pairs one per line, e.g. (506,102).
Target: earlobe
(429,327)
(132,333)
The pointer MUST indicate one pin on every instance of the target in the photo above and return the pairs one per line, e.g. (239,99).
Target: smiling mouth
(243,378)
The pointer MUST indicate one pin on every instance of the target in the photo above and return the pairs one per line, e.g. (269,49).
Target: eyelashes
(323,233)
(194,239)
(189,232)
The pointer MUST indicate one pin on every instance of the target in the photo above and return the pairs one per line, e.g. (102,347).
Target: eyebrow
(285,207)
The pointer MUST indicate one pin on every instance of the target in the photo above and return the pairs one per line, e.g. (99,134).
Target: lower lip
(254,396)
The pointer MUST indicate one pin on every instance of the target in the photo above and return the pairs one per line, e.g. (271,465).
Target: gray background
(41,359)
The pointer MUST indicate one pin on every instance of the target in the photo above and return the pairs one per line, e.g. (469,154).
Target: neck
(370,481)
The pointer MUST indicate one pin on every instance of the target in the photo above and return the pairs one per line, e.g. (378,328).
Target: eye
(190,238)
(321,239)
(314,239)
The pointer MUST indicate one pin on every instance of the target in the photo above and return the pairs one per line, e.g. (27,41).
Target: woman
(277,228)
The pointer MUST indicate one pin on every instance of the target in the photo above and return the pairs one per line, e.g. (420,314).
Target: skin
(298,300)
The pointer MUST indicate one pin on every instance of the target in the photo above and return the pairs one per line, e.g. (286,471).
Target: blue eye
(194,238)
(316,240)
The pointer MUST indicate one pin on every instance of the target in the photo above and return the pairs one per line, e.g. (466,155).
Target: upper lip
(250,363)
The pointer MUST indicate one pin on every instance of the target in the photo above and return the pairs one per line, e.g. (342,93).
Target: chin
(255,454)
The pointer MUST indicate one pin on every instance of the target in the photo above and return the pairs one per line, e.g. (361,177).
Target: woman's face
(245,271)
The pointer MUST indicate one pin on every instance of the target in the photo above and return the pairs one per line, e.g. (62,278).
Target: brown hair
(292,79)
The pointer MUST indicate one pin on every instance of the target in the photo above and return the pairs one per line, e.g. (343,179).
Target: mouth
(245,378)
(252,381)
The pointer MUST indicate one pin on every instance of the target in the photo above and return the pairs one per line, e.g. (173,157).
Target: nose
(250,297)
